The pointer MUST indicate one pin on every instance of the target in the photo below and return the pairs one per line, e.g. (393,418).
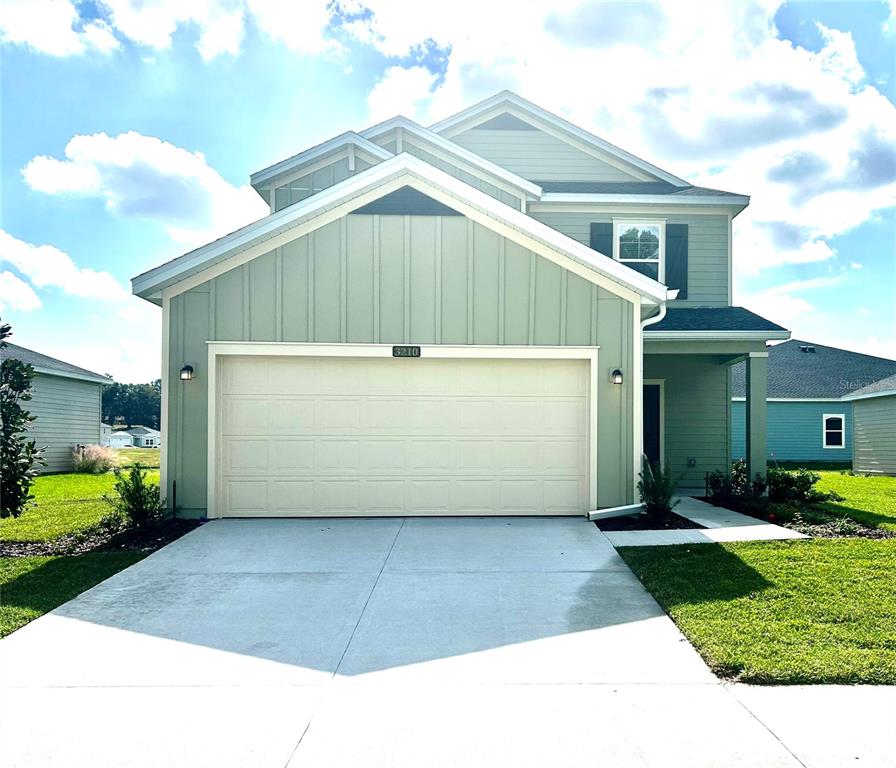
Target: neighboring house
(146,437)
(66,401)
(495,315)
(874,427)
(105,433)
(808,419)
(121,439)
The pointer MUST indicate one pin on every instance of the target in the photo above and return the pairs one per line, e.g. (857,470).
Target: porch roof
(709,319)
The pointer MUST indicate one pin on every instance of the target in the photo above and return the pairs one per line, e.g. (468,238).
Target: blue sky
(129,132)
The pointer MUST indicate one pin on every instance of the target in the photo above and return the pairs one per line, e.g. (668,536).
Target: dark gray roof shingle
(878,387)
(712,319)
(47,363)
(828,372)
(629,188)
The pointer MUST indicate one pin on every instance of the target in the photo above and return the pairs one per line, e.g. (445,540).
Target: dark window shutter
(677,258)
(602,237)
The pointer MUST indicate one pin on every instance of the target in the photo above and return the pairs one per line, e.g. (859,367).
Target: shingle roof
(712,319)
(828,372)
(881,387)
(629,188)
(47,364)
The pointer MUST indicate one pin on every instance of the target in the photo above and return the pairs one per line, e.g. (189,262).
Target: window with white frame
(833,430)
(641,244)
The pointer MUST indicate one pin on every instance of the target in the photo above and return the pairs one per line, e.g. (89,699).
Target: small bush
(797,487)
(735,491)
(94,459)
(656,488)
(138,501)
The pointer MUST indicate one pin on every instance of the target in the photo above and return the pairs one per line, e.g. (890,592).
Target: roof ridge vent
(807,348)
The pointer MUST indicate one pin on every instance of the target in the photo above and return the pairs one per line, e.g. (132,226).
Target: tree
(19,456)
(133,404)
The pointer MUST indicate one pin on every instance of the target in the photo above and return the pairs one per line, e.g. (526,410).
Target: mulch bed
(98,540)
(670,522)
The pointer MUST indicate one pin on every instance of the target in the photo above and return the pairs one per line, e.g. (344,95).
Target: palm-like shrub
(656,488)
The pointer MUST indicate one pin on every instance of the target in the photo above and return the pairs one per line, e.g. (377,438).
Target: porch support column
(757,390)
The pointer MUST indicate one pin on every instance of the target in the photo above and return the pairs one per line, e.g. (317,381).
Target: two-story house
(495,315)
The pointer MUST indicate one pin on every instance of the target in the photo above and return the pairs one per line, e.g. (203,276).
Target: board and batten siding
(67,414)
(696,413)
(398,279)
(538,156)
(707,248)
(794,431)
(874,441)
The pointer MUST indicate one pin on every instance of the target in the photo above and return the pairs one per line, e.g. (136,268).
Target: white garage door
(303,436)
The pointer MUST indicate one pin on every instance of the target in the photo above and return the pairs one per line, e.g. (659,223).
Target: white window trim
(661,223)
(220,349)
(825,430)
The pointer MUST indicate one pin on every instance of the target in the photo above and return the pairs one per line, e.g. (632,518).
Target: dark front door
(652,422)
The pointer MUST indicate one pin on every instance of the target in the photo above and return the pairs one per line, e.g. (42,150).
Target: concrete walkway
(719,525)
(471,642)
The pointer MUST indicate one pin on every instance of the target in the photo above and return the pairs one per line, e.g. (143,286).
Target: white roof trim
(794,399)
(266,175)
(533,190)
(739,201)
(716,335)
(372,184)
(457,122)
(869,395)
(67,375)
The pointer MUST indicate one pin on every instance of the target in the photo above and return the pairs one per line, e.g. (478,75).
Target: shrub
(656,488)
(93,459)
(797,487)
(19,456)
(734,491)
(138,501)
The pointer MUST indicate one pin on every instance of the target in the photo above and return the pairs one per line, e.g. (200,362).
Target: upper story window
(833,429)
(641,244)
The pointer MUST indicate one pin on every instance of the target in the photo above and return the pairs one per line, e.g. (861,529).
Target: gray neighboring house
(67,401)
(874,427)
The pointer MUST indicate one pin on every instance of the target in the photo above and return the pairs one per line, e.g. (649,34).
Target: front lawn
(31,586)
(821,611)
(145,457)
(870,500)
(64,504)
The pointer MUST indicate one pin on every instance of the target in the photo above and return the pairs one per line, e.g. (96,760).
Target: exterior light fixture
(186,373)
(616,376)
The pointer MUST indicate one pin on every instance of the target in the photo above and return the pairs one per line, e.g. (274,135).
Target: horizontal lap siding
(696,392)
(397,279)
(68,414)
(794,431)
(875,435)
(707,249)
(537,156)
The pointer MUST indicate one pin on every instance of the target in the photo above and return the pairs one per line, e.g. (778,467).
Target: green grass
(145,457)
(31,586)
(870,500)
(64,504)
(818,611)
(821,611)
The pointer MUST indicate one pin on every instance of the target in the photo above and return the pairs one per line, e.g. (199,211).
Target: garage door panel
(377,436)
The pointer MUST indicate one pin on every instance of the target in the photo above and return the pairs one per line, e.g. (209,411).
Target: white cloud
(143,176)
(854,265)
(52,27)
(400,91)
(16,294)
(838,55)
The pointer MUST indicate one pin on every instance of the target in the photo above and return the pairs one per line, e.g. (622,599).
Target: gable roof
(134,431)
(883,388)
(720,320)
(507,102)
(50,365)
(264,235)
(828,373)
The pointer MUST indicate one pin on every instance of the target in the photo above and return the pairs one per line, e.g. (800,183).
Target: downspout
(670,296)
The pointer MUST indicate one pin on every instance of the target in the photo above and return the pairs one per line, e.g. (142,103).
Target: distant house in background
(874,427)
(105,433)
(66,402)
(120,439)
(144,437)
(810,416)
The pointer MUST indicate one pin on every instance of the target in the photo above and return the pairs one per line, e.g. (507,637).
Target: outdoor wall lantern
(616,376)
(186,373)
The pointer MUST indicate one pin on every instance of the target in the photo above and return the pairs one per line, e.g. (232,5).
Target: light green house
(496,315)
(874,427)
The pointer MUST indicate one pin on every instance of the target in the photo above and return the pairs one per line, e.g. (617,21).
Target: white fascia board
(869,395)
(66,375)
(716,335)
(433,138)
(295,162)
(456,123)
(794,399)
(572,198)
(381,178)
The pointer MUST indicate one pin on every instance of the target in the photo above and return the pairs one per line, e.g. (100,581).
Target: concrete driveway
(418,642)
